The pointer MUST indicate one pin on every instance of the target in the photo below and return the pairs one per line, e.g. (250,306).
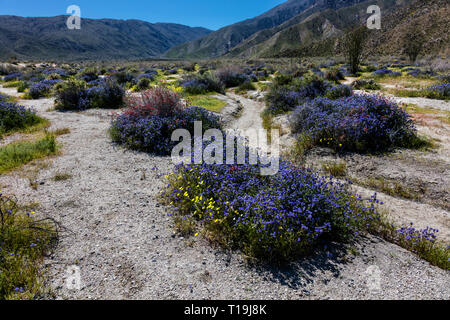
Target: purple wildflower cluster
(415,236)
(269,217)
(385,72)
(440,91)
(201,83)
(356,123)
(285,97)
(153,133)
(101,93)
(42,88)
(13,76)
(59,71)
(339,91)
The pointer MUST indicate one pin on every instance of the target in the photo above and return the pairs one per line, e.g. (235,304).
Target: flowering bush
(71,95)
(272,218)
(159,101)
(15,117)
(13,76)
(108,94)
(339,91)
(41,89)
(385,72)
(356,123)
(440,91)
(369,84)
(76,95)
(231,76)
(424,243)
(153,133)
(283,98)
(150,119)
(201,83)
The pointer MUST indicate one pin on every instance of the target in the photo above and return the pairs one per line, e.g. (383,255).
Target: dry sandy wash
(123,241)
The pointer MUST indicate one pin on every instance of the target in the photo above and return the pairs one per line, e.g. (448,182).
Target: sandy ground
(122,239)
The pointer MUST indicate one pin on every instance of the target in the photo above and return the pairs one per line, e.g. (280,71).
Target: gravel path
(123,242)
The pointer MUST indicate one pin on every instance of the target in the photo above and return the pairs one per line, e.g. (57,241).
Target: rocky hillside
(49,38)
(226,40)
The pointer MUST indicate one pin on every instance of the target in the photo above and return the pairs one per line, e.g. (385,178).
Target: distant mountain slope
(227,39)
(320,32)
(312,32)
(430,17)
(49,38)
(220,42)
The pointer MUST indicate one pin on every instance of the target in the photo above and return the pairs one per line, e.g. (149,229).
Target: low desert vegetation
(14,118)
(17,154)
(25,239)
(239,208)
(149,120)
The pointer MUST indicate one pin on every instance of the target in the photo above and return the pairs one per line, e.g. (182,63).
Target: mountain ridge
(49,38)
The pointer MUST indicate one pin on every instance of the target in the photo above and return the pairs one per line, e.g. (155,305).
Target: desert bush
(25,240)
(88,74)
(231,76)
(334,75)
(246,86)
(76,95)
(158,101)
(283,98)
(148,123)
(71,95)
(15,117)
(108,95)
(367,84)
(270,218)
(143,84)
(339,91)
(41,89)
(6,69)
(123,77)
(202,83)
(358,123)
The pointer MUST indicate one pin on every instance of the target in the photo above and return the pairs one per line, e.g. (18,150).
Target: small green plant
(209,103)
(25,240)
(16,154)
(61,176)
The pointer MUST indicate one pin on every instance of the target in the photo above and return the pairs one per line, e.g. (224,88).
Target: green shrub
(70,95)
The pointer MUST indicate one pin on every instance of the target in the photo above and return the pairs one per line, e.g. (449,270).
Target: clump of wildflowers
(16,117)
(273,218)
(148,122)
(357,123)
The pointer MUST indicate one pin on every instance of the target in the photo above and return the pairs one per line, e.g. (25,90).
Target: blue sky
(212,14)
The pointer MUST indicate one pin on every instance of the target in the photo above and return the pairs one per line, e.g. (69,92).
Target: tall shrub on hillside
(354,41)
(413,42)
